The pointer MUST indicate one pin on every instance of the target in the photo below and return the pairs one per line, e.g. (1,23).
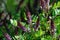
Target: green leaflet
(13,22)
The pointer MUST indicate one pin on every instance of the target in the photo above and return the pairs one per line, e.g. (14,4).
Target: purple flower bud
(22,27)
(52,27)
(7,36)
(45,4)
(28,14)
(42,3)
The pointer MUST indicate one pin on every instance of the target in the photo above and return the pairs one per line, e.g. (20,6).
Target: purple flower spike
(28,14)
(7,36)
(22,27)
(45,4)
(52,27)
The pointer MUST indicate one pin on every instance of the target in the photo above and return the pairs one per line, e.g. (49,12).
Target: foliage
(29,19)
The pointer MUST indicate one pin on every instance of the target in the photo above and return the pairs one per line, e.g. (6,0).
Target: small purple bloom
(7,36)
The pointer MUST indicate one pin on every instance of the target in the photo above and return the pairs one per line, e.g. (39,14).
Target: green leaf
(56,5)
(13,22)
